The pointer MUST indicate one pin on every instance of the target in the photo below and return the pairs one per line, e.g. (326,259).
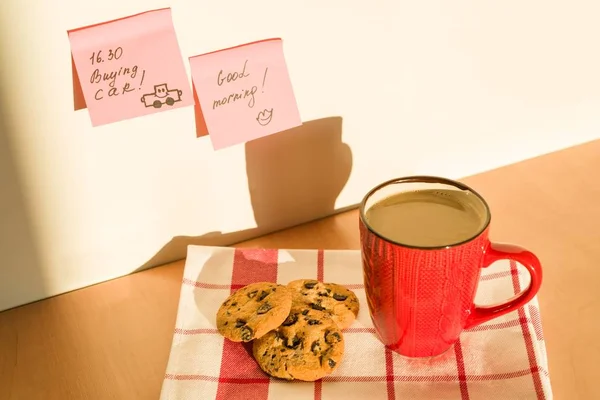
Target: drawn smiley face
(161,90)
(264,117)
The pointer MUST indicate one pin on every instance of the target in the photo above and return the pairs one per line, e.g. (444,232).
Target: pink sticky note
(244,93)
(130,67)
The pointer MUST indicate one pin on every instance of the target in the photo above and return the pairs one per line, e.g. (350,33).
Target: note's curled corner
(128,67)
(243,93)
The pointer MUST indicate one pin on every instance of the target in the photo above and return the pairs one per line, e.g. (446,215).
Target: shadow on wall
(294,176)
(21,274)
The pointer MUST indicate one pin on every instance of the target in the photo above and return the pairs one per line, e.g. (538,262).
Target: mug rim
(424,179)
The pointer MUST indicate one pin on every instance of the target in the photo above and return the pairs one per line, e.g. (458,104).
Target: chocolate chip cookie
(307,346)
(253,310)
(340,303)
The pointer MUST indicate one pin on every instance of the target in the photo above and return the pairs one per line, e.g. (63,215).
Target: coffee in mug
(424,241)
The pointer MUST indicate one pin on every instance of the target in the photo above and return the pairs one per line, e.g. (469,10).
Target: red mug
(421,298)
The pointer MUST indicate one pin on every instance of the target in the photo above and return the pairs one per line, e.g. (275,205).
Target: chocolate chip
(315,347)
(252,293)
(339,297)
(332,337)
(226,322)
(239,323)
(247,333)
(296,341)
(328,290)
(272,355)
(262,295)
(290,320)
(265,353)
(331,363)
(310,284)
(323,294)
(315,306)
(304,312)
(313,322)
(234,304)
(263,308)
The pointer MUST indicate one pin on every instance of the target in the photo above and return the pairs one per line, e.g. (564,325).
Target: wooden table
(112,340)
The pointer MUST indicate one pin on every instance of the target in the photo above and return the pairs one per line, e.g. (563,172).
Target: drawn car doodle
(161,95)
(264,117)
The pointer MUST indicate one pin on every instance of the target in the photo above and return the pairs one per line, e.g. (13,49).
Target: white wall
(436,87)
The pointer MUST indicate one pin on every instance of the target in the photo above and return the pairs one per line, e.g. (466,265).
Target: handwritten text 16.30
(115,54)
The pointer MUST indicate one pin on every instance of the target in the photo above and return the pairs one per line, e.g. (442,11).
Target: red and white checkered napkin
(503,359)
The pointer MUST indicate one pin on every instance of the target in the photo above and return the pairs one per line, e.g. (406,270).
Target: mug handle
(501,251)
